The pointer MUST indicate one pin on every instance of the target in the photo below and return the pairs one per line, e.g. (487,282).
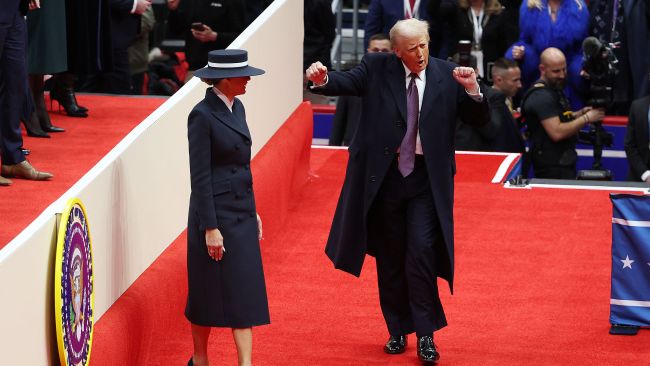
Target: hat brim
(220,73)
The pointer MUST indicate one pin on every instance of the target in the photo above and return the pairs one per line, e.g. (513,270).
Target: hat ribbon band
(228,65)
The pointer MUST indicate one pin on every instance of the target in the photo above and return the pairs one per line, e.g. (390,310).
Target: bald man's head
(552,67)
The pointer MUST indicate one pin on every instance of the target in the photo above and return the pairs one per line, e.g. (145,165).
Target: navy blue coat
(230,292)
(380,80)
(383,14)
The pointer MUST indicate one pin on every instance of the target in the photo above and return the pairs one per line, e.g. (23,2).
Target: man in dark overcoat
(397,198)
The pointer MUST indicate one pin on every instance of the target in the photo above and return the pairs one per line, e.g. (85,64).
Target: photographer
(552,125)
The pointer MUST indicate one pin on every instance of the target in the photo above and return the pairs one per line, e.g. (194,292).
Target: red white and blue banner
(630,297)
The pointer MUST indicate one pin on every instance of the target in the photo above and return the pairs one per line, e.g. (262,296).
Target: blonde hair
(409,28)
(538,4)
(491,6)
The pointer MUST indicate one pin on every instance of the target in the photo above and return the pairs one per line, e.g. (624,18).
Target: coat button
(237,195)
(249,190)
(247,166)
(386,151)
(233,170)
(247,142)
(373,178)
(240,217)
(252,214)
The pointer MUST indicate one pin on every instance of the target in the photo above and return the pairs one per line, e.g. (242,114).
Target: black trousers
(409,229)
(13,76)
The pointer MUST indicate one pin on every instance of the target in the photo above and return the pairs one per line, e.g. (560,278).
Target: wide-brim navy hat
(227,64)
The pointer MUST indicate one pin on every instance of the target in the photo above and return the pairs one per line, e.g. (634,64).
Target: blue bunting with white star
(630,298)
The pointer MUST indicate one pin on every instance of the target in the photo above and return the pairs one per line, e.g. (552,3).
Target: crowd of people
(70,46)
(406,109)
(504,40)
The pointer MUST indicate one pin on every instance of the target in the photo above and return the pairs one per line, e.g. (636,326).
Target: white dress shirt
(420,83)
(223,97)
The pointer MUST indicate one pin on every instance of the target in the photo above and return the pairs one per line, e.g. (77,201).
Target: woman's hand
(518,52)
(259,228)
(205,35)
(214,242)
(173,4)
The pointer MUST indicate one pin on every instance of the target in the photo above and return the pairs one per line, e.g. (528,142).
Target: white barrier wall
(137,196)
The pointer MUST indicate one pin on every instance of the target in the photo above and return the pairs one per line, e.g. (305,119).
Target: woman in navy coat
(224,265)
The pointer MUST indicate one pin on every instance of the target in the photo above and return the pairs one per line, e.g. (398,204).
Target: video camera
(599,62)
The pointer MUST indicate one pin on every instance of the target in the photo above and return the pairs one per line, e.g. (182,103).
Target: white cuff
(645,175)
(135,4)
(320,85)
(478,97)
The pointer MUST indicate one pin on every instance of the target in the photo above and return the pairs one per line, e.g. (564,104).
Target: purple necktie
(407,148)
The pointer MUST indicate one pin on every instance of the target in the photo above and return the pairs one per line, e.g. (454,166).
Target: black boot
(63,92)
(36,84)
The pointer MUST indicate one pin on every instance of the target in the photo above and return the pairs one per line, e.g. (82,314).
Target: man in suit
(348,107)
(125,26)
(397,198)
(383,14)
(506,136)
(636,141)
(13,76)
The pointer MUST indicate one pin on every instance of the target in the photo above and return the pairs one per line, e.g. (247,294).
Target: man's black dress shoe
(427,352)
(395,345)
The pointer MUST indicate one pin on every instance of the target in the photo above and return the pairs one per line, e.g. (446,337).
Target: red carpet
(532,287)
(532,276)
(69,155)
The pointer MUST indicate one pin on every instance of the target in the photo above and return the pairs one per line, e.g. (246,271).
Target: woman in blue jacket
(562,24)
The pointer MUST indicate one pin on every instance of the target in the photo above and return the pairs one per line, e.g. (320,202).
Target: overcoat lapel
(223,114)
(432,90)
(396,81)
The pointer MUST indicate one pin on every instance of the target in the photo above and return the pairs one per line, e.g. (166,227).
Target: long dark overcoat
(230,292)
(381,80)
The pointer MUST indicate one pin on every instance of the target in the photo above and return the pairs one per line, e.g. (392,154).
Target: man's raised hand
(316,73)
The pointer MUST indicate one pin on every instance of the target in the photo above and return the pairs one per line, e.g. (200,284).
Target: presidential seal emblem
(73,286)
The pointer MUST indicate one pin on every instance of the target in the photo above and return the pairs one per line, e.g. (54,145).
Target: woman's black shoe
(66,98)
(33,128)
(36,85)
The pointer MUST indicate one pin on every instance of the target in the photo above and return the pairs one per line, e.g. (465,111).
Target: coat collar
(223,114)
(396,81)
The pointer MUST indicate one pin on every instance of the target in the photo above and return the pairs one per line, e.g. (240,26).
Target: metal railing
(337,46)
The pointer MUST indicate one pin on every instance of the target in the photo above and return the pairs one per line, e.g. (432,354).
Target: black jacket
(499,33)
(226,17)
(636,139)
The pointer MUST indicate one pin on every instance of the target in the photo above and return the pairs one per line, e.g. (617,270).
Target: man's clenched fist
(316,73)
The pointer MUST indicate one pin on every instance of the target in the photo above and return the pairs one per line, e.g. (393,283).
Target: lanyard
(411,12)
(477,22)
